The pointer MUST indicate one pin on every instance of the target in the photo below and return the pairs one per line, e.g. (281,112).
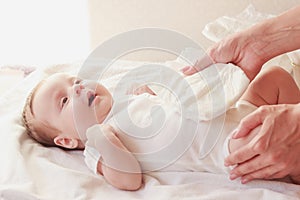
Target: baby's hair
(38,130)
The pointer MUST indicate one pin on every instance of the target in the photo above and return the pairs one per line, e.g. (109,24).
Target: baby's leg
(272,86)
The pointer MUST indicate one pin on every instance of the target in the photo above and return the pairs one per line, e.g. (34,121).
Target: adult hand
(274,151)
(251,48)
(237,49)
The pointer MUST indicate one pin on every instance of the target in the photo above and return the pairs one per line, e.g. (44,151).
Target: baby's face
(70,104)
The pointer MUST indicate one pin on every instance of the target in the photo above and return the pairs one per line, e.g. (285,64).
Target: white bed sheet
(31,171)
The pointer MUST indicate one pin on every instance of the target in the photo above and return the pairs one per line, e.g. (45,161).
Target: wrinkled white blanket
(31,171)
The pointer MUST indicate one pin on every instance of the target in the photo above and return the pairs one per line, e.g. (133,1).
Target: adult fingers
(258,145)
(269,172)
(251,166)
(259,174)
(203,62)
(189,70)
(200,64)
(242,155)
(250,122)
(268,165)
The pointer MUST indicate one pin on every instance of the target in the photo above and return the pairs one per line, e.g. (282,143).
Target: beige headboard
(110,17)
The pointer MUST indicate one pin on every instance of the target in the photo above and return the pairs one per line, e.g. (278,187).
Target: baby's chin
(103,111)
(102,117)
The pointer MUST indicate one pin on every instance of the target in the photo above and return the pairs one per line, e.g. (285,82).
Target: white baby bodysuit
(167,134)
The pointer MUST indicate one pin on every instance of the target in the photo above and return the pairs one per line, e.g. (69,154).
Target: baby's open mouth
(91,99)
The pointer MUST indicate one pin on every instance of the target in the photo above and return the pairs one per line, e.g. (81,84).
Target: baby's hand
(141,90)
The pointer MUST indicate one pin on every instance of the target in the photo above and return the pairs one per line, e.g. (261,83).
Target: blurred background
(43,31)
(35,33)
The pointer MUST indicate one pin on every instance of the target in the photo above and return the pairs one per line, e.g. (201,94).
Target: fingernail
(233,176)
(234,134)
(185,69)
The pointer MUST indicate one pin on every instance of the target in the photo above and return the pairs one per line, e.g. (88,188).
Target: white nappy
(215,89)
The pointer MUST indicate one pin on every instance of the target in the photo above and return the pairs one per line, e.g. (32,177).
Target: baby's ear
(68,143)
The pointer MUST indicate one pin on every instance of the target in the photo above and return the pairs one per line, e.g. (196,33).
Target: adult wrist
(277,35)
(263,41)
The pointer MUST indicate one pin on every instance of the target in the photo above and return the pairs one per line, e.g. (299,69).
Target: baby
(71,113)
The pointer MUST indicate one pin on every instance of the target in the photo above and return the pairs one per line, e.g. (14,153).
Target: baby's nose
(77,88)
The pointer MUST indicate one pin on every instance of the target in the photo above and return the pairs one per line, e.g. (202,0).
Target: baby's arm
(119,167)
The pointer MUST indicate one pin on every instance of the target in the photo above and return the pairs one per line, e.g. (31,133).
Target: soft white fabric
(294,57)
(91,155)
(225,25)
(215,88)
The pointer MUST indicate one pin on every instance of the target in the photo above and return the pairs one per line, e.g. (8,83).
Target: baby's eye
(64,101)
